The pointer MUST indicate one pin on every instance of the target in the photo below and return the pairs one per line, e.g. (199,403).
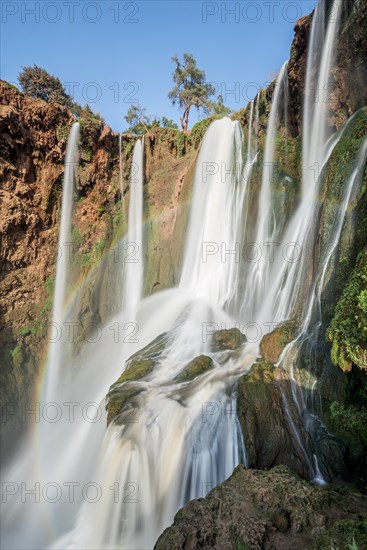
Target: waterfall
(134,259)
(185,437)
(286,276)
(211,255)
(266,227)
(121,183)
(63,263)
(249,136)
(174,453)
(315,123)
(315,48)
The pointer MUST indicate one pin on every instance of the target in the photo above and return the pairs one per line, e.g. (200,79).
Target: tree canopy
(38,83)
(139,122)
(191,88)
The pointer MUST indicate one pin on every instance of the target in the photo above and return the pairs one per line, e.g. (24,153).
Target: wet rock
(227,339)
(195,368)
(263,510)
(270,422)
(121,402)
(122,393)
(272,344)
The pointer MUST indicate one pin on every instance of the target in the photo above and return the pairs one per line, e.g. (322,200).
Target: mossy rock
(270,509)
(195,368)
(263,417)
(138,367)
(152,350)
(272,344)
(117,400)
(227,339)
(136,370)
(348,328)
(342,535)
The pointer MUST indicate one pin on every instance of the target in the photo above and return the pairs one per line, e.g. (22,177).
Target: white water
(211,266)
(134,257)
(186,438)
(63,265)
(266,224)
(287,276)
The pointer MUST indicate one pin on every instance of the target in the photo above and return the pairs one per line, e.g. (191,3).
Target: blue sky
(112,53)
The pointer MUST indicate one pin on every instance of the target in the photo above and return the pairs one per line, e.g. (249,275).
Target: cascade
(266,227)
(179,448)
(134,259)
(63,265)
(286,276)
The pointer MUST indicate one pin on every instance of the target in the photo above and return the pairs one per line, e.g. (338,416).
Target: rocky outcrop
(272,428)
(274,510)
(272,344)
(227,339)
(195,368)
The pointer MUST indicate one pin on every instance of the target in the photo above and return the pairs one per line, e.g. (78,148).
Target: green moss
(50,288)
(195,368)
(116,400)
(345,534)
(227,339)
(347,331)
(62,133)
(240,545)
(351,419)
(136,370)
(181,144)
(198,131)
(17,357)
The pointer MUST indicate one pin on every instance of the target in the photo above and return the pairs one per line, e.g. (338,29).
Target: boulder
(195,368)
(227,339)
(272,428)
(263,510)
(272,344)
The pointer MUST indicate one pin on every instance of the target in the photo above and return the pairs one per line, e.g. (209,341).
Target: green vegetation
(195,368)
(192,90)
(62,133)
(198,131)
(348,534)
(136,370)
(350,419)
(50,288)
(17,356)
(139,122)
(38,83)
(348,329)
(90,128)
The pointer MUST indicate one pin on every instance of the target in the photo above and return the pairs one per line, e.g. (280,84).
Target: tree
(38,83)
(191,88)
(137,119)
(139,122)
(168,123)
(218,108)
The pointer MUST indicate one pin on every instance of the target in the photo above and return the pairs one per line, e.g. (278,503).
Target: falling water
(121,183)
(315,48)
(249,136)
(210,267)
(258,274)
(133,257)
(287,275)
(63,263)
(187,437)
